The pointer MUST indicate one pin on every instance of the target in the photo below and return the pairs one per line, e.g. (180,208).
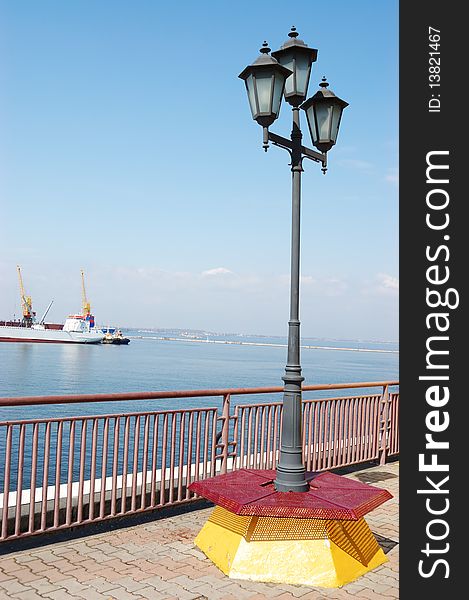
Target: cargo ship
(77,329)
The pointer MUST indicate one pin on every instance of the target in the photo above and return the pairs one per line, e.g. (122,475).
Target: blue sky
(127,148)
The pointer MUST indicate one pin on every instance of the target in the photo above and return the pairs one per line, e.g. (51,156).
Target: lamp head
(265,83)
(324,113)
(298,57)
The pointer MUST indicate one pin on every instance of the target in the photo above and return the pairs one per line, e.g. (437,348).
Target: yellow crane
(26,302)
(85,304)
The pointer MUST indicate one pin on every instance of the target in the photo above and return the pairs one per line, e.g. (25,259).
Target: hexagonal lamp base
(315,552)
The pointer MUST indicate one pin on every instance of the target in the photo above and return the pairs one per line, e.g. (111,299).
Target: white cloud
(383,284)
(216,271)
(388,282)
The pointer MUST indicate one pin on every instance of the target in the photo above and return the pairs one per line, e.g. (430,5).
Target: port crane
(86,306)
(26,302)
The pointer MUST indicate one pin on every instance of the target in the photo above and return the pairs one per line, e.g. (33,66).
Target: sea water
(149,363)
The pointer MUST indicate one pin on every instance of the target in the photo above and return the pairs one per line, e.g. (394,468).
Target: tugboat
(114,336)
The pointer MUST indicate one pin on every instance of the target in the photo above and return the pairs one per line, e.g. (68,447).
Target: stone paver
(158,560)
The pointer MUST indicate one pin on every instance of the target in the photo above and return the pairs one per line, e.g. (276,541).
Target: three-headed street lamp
(286,72)
(248,536)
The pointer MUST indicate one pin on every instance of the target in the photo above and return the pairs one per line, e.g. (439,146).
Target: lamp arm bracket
(312,155)
(287,144)
(280,141)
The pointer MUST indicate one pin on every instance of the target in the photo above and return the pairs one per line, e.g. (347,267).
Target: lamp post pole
(290,468)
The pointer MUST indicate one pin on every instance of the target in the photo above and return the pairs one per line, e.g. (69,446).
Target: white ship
(76,330)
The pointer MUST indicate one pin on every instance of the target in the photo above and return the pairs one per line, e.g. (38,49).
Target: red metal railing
(63,472)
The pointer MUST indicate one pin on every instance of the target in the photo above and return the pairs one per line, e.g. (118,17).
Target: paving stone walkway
(157,559)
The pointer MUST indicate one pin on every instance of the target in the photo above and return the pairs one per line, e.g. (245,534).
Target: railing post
(384,425)
(225,432)
(235,454)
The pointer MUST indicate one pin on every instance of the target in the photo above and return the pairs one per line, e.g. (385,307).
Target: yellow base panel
(312,552)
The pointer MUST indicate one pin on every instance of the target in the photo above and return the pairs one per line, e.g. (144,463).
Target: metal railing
(61,472)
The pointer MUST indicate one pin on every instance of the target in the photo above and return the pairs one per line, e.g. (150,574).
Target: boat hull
(47,336)
(118,341)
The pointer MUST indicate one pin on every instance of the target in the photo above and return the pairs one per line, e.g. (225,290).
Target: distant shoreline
(236,343)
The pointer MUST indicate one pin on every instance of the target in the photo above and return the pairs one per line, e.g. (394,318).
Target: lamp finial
(324,83)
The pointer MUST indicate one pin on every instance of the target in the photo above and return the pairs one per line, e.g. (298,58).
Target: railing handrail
(120,415)
(126,396)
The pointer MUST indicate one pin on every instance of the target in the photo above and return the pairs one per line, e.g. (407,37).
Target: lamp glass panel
(278,89)
(312,124)
(323,118)
(336,113)
(251,95)
(264,92)
(286,60)
(302,71)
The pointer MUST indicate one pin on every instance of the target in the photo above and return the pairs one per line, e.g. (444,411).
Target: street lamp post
(247,535)
(287,71)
